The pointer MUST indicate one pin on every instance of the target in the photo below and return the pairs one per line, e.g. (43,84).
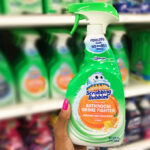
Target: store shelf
(140,145)
(37,20)
(60,20)
(135,88)
(29,108)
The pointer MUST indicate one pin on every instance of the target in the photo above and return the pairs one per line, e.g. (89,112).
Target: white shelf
(60,20)
(29,108)
(136,88)
(141,145)
(37,20)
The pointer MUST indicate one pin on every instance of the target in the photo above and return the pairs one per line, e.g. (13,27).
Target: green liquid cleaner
(118,47)
(31,73)
(140,54)
(96,93)
(21,6)
(76,46)
(61,65)
(7,84)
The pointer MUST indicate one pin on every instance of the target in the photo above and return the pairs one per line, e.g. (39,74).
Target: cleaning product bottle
(31,74)
(118,48)
(21,7)
(76,45)
(133,123)
(140,53)
(7,84)
(144,107)
(61,67)
(11,138)
(96,93)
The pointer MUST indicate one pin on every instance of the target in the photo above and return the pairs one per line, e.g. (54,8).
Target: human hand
(62,140)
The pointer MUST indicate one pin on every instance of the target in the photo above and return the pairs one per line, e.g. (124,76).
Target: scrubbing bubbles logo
(98,87)
(96,44)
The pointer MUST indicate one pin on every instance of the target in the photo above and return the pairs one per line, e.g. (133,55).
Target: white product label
(96,44)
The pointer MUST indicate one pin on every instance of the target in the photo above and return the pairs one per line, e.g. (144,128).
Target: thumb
(60,130)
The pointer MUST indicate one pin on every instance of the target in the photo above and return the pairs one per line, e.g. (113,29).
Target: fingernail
(65,104)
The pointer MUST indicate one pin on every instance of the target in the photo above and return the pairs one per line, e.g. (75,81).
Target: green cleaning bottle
(7,84)
(76,46)
(21,6)
(31,74)
(61,66)
(140,54)
(118,47)
(96,93)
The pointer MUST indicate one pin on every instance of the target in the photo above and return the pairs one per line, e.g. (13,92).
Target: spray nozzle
(97,13)
(77,19)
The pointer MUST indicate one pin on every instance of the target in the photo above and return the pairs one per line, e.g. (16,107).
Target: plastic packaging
(96,93)
(133,123)
(60,64)
(118,47)
(7,83)
(144,107)
(140,54)
(21,6)
(31,74)
(10,137)
(132,6)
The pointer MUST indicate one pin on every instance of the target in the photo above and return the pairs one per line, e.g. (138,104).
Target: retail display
(133,123)
(76,45)
(39,57)
(31,74)
(7,83)
(144,107)
(115,36)
(97,102)
(30,133)
(132,6)
(21,7)
(61,66)
(140,54)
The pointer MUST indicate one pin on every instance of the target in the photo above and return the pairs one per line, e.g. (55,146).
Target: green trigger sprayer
(96,93)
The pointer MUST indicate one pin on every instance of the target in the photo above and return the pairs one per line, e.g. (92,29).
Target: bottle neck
(29,48)
(61,44)
(117,44)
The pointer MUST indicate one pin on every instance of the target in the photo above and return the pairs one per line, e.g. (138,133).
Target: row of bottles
(40,63)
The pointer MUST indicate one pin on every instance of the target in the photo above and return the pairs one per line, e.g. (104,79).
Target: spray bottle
(61,67)
(7,84)
(96,93)
(118,47)
(31,74)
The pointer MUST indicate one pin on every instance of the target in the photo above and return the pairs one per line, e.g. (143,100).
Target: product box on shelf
(132,6)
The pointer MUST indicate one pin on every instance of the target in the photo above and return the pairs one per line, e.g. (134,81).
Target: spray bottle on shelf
(7,84)
(10,137)
(76,45)
(144,107)
(31,75)
(96,93)
(133,123)
(61,67)
(118,47)
(21,7)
